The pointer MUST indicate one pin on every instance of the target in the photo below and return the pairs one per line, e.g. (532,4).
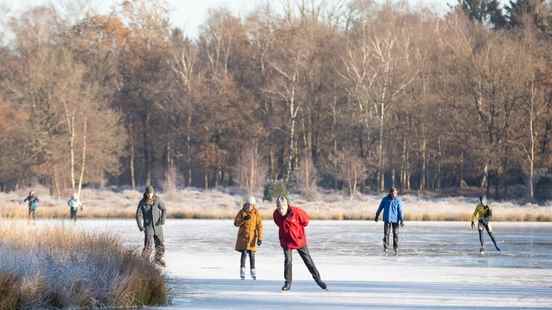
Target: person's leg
(252,265)
(251,259)
(159,250)
(242,264)
(395,227)
(307,259)
(480,230)
(490,232)
(386,227)
(243,258)
(288,267)
(148,245)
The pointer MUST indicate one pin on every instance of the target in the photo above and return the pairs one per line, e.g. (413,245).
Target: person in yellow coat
(483,215)
(250,235)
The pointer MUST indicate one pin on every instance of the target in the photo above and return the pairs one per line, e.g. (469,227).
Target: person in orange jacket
(250,235)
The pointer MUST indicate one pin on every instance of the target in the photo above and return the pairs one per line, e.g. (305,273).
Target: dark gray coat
(151,218)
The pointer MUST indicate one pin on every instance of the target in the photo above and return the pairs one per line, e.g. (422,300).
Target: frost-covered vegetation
(62,268)
(193,203)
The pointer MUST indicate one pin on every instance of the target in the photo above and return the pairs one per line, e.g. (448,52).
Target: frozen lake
(439,267)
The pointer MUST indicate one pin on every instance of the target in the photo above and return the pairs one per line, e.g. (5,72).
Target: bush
(57,268)
(543,189)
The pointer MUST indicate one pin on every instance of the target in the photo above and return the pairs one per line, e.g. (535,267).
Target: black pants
(484,225)
(73,214)
(32,213)
(305,255)
(251,259)
(387,228)
(149,241)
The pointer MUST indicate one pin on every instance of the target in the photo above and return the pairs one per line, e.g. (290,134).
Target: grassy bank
(194,204)
(57,268)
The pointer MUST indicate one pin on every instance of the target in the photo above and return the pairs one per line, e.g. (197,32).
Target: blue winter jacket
(392,209)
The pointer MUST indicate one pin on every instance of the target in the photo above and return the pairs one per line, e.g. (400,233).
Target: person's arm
(140,217)
(475,216)
(163,212)
(303,217)
(380,207)
(277,218)
(238,220)
(26,199)
(260,228)
(400,211)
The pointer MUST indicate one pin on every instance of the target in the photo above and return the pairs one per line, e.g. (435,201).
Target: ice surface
(439,267)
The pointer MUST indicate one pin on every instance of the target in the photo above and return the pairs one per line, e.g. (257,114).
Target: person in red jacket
(291,222)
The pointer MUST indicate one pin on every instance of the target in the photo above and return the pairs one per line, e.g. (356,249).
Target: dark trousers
(305,255)
(73,214)
(387,228)
(149,241)
(251,259)
(32,213)
(483,225)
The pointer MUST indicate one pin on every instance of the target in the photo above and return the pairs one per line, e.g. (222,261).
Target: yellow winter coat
(482,212)
(250,230)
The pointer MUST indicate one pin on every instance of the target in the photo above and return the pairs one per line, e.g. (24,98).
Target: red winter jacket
(292,228)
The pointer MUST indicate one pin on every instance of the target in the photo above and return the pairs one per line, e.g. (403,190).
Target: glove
(472,225)
(375,219)
(259,242)
(247,217)
(141,228)
(402,224)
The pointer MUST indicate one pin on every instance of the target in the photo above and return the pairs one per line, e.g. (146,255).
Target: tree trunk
(147,152)
(532,144)
(381,172)
(83,162)
(423,179)
(71,126)
(189,148)
(132,161)
(291,153)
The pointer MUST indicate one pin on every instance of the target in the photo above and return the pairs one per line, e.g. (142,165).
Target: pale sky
(189,14)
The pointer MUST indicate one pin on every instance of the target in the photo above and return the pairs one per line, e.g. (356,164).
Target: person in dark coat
(150,217)
(392,208)
(291,222)
(74,205)
(32,201)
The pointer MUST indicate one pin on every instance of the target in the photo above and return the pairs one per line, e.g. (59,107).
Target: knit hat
(149,189)
(251,200)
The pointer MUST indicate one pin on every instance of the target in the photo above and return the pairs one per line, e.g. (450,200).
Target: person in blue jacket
(392,208)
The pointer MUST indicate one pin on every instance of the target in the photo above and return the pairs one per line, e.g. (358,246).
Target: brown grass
(60,268)
(193,204)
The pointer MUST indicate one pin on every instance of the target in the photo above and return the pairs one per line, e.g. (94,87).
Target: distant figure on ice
(150,216)
(483,215)
(392,208)
(291,222)
(32,202)
(74,206)
(250,235)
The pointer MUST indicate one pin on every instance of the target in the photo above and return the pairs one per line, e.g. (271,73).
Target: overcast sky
(189,14)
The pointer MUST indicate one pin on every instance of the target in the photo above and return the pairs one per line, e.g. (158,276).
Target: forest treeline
(354,95)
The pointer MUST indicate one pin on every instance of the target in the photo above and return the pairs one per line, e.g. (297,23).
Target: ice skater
(392,208)
(74,206)
(483,215)
(32,203)
(291,222)
(150,216)
(250,235)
